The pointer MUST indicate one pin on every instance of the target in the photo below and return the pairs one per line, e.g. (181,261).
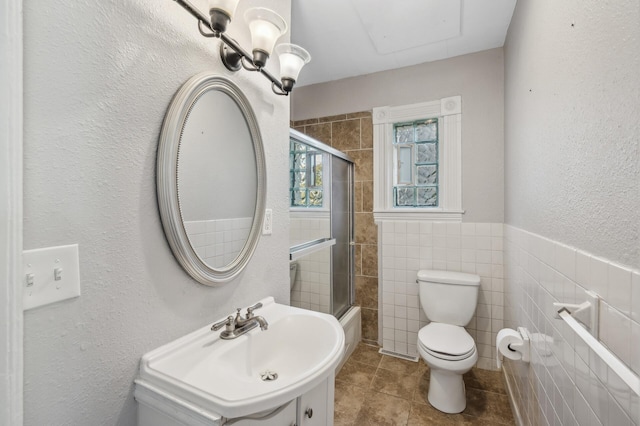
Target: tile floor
(375,389)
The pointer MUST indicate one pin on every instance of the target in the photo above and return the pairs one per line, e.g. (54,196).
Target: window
(417,161)
(306,181)
(416,164)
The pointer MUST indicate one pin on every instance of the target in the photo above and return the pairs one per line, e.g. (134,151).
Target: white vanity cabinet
(280,376)
(313,408)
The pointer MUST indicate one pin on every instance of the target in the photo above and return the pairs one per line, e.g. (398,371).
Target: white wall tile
(619,287)
(564,372)
(444,246)
(598,276)
(635,296)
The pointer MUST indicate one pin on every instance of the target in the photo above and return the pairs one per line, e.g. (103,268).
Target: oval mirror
(211,178)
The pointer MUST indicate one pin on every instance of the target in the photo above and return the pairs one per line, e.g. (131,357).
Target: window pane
(299,179)
(427,131)
(428,196)
(405,196)
(299,161)
(427,175)
(404,133)
(405,165)
(315,198)
(426,153)
(299,198)
(316,175)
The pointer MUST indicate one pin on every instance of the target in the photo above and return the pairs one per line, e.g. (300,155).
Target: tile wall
(353,135)
(311,289)
(218,242)
(408,246)
(566,383)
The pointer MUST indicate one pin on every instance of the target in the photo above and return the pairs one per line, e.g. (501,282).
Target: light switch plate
(50,275)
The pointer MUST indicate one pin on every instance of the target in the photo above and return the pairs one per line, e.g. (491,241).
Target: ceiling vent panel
(406,24)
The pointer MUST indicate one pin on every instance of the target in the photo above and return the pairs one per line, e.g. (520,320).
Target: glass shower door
(342,231)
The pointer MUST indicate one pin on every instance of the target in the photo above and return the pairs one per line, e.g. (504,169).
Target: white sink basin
(224,376)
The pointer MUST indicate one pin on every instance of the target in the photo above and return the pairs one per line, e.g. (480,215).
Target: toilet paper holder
(586,312)
(524,347)
(518,345)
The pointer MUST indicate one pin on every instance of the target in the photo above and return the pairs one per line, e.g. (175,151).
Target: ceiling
(347,38)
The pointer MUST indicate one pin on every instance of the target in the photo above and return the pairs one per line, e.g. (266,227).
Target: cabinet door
(313,407)
(286,417)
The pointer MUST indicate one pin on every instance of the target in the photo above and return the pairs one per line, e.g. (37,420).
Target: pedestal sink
(257,371)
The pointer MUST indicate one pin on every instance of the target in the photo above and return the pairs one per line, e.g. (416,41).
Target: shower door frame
(314,143)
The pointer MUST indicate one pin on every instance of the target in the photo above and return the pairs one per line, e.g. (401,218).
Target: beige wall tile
(367,292)
(321,132)
(345,135)
(370,260)
(366,133)
(362,114)
(363,160)
(304,122)
(357,197)
(367,196)
(329,118)
(366,229)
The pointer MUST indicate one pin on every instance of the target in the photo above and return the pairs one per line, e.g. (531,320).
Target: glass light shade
(292,59)
(265,26)
(228,7)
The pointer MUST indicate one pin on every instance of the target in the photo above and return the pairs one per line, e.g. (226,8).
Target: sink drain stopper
(268,376)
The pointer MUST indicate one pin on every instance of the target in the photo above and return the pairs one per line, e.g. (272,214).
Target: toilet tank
(448,297)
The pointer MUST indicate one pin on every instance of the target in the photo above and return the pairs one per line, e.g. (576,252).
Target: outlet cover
(50,275)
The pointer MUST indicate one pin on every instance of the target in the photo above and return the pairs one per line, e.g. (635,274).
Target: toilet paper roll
(506,337)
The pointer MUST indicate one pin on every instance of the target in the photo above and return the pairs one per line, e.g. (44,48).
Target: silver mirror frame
(167,179)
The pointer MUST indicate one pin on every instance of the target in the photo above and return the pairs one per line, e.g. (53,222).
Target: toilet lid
(446,339)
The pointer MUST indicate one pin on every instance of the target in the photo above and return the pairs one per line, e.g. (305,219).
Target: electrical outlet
(50,274)
(267,225)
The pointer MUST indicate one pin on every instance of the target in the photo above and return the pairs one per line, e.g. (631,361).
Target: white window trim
(449,113)
(11,128)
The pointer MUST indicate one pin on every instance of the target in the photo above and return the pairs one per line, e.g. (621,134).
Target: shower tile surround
(353,134)
(408,246)
(566,383)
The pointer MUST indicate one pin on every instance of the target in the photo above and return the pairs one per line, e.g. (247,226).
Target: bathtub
(351,323)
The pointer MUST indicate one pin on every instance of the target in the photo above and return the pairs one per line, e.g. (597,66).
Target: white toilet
(449,300)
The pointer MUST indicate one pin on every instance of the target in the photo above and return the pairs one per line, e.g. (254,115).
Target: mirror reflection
(310,193)
(217,179)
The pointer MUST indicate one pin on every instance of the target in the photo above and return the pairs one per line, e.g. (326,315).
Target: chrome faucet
(237,326)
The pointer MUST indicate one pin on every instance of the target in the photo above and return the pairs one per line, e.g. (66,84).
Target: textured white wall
(477,77)
(572,91)
(572,202)
(98,79)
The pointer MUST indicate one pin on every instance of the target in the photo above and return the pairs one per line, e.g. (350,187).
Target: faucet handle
(250,309)
(228,322)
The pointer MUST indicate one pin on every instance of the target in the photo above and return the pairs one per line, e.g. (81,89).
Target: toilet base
(447,392)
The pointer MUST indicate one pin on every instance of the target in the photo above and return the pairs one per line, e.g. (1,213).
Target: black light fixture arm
(240,56)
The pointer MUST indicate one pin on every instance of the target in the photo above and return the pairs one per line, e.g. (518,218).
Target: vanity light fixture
(266,27)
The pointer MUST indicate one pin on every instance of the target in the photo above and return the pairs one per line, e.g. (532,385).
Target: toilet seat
(446,341)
